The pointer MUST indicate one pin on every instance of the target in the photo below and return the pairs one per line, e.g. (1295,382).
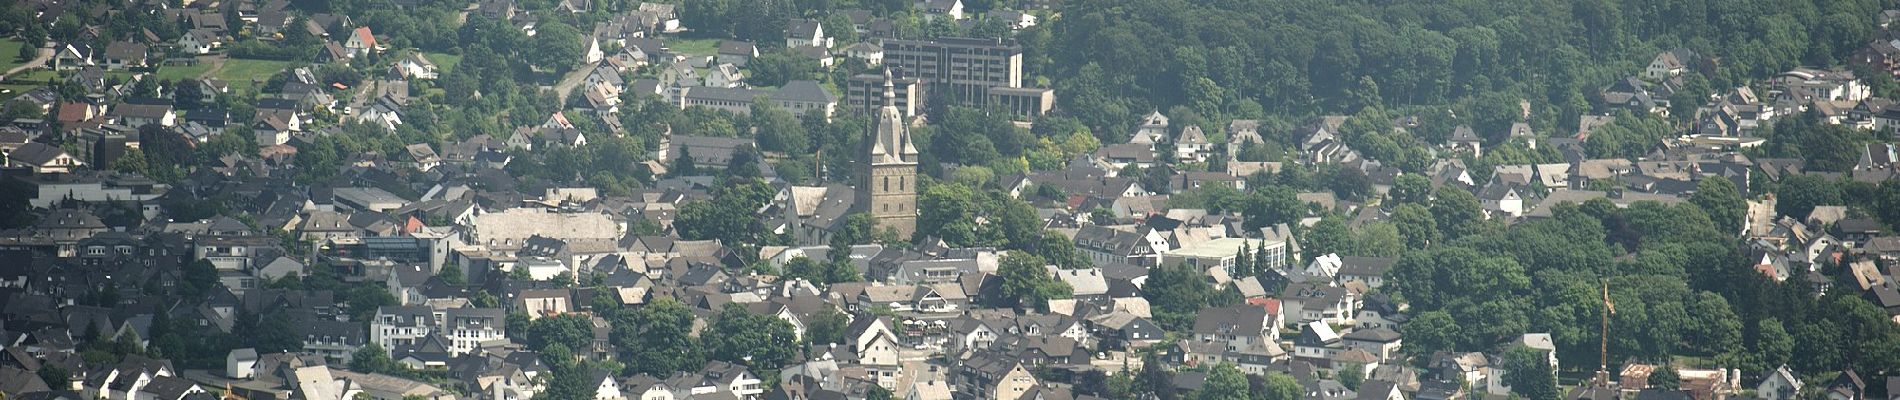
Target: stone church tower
(889,189)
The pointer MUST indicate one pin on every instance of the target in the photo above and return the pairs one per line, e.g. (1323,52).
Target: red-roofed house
(1275,315)
(70,113)
(361,42)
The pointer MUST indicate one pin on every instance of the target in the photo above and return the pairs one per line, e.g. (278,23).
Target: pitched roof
(804,91)
(1235,320)
(36,153)
(122,50)
(363,34)
(1373,335)
(803,29)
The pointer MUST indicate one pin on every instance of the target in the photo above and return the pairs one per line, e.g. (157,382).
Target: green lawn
(10,54)
(696,47)
(8,91)
(444,62)
(37,77)
(239,72)
(178,72)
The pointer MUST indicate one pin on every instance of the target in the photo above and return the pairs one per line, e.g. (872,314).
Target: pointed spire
(890,89)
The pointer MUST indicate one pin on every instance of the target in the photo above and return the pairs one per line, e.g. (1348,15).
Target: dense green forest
(1115,60)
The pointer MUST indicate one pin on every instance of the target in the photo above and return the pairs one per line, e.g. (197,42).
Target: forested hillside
(1115,60)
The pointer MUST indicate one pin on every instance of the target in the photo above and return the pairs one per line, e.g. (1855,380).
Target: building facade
(865,93)
(971,72)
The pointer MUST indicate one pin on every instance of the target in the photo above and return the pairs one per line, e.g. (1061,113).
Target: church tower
(889,189)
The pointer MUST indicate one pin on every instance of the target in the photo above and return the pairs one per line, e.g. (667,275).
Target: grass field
(697,47)
(239,72)
(10,91)
(37,77)
(444,62)
(10,54)
(178,72)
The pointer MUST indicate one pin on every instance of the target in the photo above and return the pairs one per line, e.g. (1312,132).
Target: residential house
(1666,65)
(1106,245)
(361,42)
(662,16)
(1781,384)
(1370,270)
(1382,343)
(1846,386)
(73,56)
(1464,139)
(806,33)
(421,157)
(870,54)
(1017,20)
(1152,129)
(141,114)
(273,126)
(123,55)
(42,159)
(1193,145)
(401,326)
(1502,200)
(1637,96)
(725,76)
(1317,343)
(416,66)
(1236,327)
(736,52)
(933,9)
(199,41)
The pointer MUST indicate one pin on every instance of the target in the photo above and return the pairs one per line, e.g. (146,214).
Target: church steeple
(893,143)
(890,89)
(889,189)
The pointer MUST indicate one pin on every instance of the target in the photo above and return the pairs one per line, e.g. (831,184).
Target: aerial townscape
(949,200)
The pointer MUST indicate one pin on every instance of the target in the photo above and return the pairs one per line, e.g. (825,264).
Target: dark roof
(1373,335)
(142,110)
(36,153)
(744,95)
(1365,266)
(169,387)
(125,50)
(1236,320)
(1851,225)
(801,28)
(804,90)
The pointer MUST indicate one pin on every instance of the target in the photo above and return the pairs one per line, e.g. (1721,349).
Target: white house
(806,33)
(42,158)
(1664,66)
(941,8)
(1779,385)
(361,42)
(1317,340)
(593,53)
(199,41)
(871,54)
(605,387)
(725,76)
(1193,145)
(1502,200)
(240,363)
(417,67)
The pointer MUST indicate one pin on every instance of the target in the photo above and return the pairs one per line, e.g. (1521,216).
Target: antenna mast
(1603,362)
